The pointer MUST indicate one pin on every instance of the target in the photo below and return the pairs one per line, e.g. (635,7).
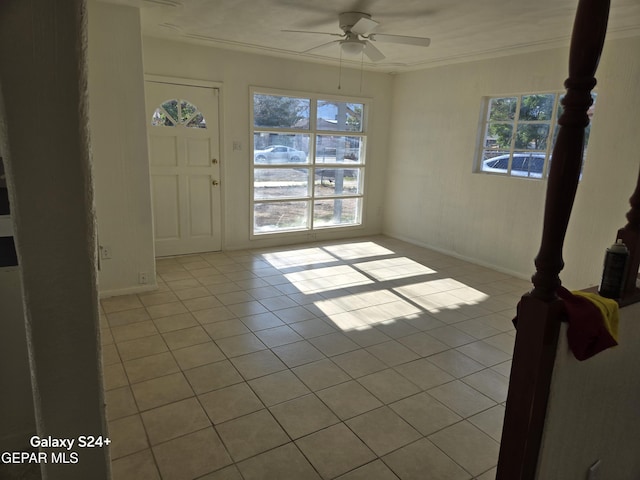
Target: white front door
(184,157)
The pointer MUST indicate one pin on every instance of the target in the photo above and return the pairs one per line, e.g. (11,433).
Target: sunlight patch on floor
(393,268)
(298,257)
(401,295)
(326,284)
(353,251)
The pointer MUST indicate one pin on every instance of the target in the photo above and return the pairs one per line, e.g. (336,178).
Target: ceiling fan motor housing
(347,20)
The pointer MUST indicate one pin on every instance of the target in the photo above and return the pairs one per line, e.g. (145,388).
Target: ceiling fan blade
(364,26)
(320,46)
(372,52)
(315,33)
(402,39)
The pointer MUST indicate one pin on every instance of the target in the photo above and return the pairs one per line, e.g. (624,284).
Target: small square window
(519,133)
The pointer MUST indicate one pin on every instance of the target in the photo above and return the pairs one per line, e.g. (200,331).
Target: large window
(308,162)
(518,134)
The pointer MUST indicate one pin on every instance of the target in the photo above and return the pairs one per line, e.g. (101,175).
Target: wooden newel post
(540,312)
(630,235)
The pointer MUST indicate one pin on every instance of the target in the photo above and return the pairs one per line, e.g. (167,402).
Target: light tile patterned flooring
(362,359)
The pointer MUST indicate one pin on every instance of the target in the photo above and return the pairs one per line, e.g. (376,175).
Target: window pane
(537,107)
(339,211)
(197,122)
(161,119)
(276,111)
(337,181)
(532,136)
(495,161)
(527,164)
(280,182)
(171,107)
(340,116)
(187,110)
(501,109)
(339,149)
(499,135)
(279,148)
(270,217)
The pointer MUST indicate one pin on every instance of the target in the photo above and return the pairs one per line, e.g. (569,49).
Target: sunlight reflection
(393,268)
(327,279)
(298,257)
(436,302)
(395,293)
(363,310)
(353,251)
(319,273)
(430,287)
(347,321)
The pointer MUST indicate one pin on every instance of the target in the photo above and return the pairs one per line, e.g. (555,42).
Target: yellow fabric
(609,310)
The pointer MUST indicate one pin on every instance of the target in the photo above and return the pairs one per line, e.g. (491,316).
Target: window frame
(311,225)
(483,134)
(161,115)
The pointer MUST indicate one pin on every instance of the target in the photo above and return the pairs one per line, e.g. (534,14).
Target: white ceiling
(460,30)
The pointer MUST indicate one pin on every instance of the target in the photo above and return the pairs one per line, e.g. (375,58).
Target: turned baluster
(541,311)
(630,235)
(586,46)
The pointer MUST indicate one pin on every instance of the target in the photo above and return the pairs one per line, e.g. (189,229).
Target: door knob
(215,183)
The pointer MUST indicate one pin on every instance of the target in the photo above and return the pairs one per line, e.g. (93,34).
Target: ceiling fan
(359,34)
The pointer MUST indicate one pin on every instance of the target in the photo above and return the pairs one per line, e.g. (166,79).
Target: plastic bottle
(615,270)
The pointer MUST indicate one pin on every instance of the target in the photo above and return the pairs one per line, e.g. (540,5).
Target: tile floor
(363,359)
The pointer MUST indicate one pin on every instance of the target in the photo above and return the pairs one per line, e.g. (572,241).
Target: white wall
(434,199)
(593,410)
(119,147)
(16,402)
(237,72)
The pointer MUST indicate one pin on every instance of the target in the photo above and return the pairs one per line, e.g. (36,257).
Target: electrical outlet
(105,252)
(594,471)
(142,278)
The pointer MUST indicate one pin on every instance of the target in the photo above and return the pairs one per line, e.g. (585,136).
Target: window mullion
(313,125)
(514,134)
(552,127)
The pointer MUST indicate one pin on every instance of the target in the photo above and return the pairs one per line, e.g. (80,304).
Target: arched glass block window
(178,112)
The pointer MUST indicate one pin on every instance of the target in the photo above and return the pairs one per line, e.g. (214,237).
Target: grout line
(246,266)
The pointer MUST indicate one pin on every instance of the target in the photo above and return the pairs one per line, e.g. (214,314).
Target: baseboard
(128,291)
(457,255)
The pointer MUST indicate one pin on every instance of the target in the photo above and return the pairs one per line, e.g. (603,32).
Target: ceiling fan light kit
(352,46)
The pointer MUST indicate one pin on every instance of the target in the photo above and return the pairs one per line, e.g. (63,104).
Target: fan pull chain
(361,69)
(340,69)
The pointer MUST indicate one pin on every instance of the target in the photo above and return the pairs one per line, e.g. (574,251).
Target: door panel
(165,200)
(200,194)
(198,154)
(184,167)
(163,151)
